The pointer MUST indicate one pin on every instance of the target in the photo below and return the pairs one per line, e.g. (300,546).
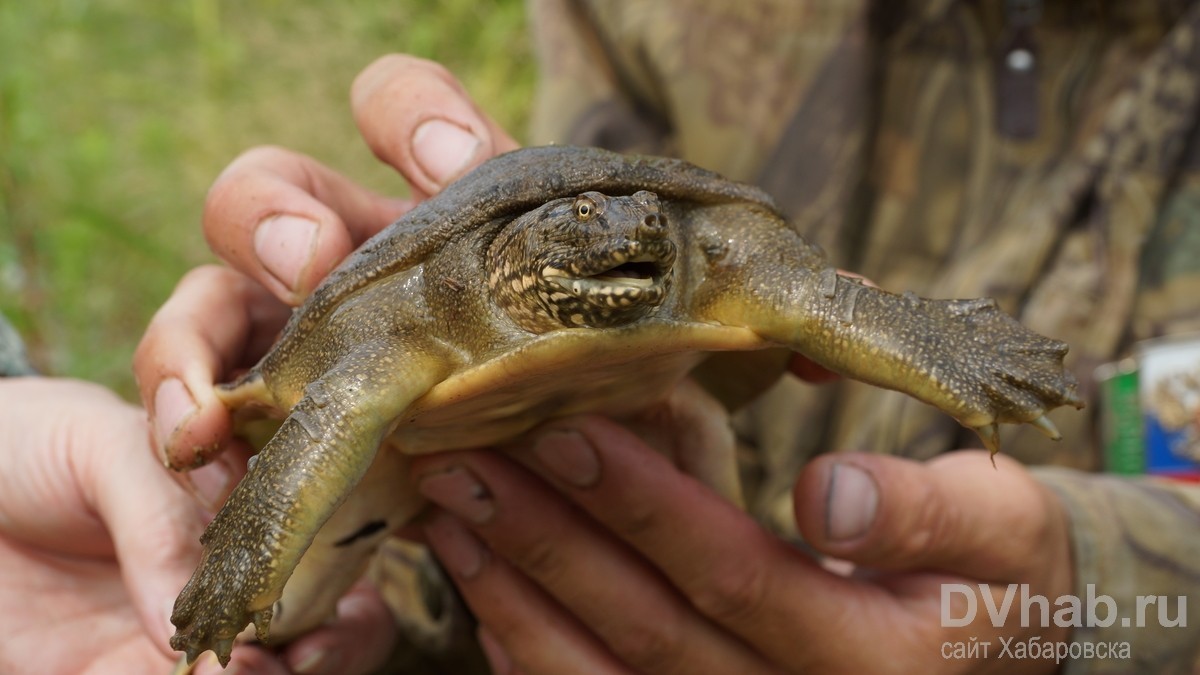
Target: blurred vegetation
(116,115)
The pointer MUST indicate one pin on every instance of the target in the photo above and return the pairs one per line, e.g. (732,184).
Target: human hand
(96,540)
(591,553)
(284,221)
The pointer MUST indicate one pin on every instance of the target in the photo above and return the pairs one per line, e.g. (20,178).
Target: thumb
(155,527)
(954,514)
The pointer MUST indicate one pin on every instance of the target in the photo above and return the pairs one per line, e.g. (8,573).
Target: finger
(38,418)
(536,633)
(416,117)
(155,528)
(498,659)
(358,641)
(530,525)
(728,567)
(810,371)
(948,515)
(216,320)
(286,220)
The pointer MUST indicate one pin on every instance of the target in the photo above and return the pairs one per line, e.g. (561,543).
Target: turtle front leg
(965,357)
(292,488)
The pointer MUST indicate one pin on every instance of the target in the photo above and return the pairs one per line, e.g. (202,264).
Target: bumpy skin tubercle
(549,282)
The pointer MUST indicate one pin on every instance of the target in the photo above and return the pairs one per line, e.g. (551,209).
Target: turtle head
(588,261)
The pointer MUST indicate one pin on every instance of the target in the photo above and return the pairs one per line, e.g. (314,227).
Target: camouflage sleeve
(584,96)
(13,361)
(1132,539)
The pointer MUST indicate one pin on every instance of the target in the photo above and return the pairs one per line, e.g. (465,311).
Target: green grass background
(116,115)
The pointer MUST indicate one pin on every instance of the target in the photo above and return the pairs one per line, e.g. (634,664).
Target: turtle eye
(585,209)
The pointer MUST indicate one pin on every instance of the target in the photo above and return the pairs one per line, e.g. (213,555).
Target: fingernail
(850,502)
(173,404)
(444,149)
(318,661)
(458,549)
(569,456)
(211,484)
(285,246)
(460,493)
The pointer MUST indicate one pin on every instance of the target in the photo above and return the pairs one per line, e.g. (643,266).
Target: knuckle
(386,65)
(540,558)
(391,71)
(265,156)
(413,66)
(637,521)
(168,539)
(205,276)
(650,646)
(163,325)
(255,159)
(228,192)
(934,524)
(1031,520)
(158,353)
(733,593)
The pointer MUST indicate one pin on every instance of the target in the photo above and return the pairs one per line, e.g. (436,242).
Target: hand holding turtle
(89,567)
(84,561)
(284,221)
(592,550)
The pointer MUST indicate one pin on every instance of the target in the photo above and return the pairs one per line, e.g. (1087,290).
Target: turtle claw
(1044,425)
(224,650)
(212,610)
(198,638)
(262,623)
(990,434)
(992,370)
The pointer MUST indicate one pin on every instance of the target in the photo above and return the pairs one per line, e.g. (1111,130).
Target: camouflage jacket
(1041,153)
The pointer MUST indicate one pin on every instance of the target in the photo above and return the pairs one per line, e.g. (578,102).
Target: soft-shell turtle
(547,282)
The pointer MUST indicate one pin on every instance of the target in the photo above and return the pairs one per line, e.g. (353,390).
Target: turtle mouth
(622,278)
(633,273)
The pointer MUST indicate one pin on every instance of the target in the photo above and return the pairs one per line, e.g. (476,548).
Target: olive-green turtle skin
(552,281)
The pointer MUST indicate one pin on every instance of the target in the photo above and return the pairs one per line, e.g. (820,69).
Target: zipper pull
(1016,72)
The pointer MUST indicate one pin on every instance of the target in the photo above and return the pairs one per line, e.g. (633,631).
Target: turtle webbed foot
(1006,373)
(212,610)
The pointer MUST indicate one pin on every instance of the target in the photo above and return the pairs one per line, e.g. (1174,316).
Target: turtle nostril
(655,221)
(653,227)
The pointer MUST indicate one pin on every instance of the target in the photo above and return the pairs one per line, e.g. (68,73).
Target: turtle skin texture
(552,281)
